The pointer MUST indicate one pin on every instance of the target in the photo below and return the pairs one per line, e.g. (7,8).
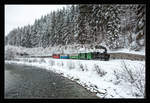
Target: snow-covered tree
(116,26)
(85,12)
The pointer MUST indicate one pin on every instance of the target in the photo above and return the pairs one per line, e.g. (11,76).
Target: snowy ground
(109,79)
(39,51)
(141,52)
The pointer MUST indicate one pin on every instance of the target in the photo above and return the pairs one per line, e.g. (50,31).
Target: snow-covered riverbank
(109,79)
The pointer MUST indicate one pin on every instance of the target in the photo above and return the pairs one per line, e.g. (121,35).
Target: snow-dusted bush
(126,73)
(30,60)
(71,65)
(134,46)
(135,77)
(52,63)
(85,68)
(10,53)
(42,60)
(117,81)
(60,64)
(82,67)
(99,70)
(35,60)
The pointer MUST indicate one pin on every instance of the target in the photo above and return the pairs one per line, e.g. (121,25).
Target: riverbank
(28,82)
(104,78)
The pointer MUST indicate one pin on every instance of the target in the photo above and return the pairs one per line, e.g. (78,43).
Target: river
(24,82)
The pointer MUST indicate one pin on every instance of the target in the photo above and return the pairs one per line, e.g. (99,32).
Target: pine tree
(83,25)
(115,25)
(140,28)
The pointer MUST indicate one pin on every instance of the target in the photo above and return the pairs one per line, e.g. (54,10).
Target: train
(84,56)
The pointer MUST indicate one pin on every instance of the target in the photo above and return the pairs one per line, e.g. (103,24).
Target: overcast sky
(21,15)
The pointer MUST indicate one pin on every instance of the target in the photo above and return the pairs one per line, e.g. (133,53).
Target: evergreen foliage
(117,26)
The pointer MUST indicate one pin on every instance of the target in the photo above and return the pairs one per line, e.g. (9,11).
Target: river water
(31,82)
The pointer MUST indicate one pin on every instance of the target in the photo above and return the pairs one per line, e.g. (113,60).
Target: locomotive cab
(102,56)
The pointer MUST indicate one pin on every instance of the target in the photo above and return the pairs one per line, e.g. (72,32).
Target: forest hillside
(114,26)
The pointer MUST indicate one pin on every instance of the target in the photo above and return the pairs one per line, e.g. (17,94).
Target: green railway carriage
(82,55)
(85,56)
(89,56)
(74,56)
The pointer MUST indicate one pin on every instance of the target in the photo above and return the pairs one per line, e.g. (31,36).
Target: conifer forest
(115,25)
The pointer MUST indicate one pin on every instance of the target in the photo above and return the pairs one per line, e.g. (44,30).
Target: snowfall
(107,79)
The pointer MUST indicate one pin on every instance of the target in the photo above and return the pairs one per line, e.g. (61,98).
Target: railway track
(40,57)
(127,56)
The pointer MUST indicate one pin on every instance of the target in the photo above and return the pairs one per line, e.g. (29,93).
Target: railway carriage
(82,56)
(85,56)
(73,56)
(89,56)
(62,56)
(56,56)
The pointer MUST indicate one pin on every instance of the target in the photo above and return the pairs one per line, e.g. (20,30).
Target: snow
(69,49)
(108,79)
(84,72)
(125,50)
